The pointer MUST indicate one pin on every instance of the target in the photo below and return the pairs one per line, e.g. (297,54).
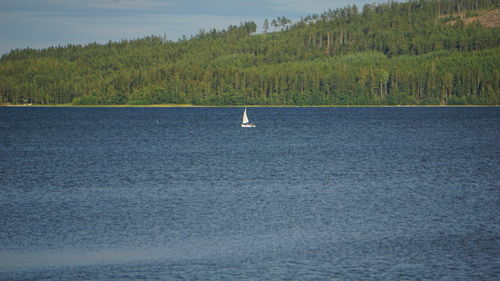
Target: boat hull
(250,125)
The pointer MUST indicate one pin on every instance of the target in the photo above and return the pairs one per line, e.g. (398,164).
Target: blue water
(310,194)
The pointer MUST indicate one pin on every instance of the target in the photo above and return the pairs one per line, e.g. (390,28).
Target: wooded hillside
(415,52)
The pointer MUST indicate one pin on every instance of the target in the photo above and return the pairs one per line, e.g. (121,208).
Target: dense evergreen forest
(415,52)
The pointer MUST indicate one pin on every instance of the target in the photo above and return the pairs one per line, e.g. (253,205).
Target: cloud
(85,5)
(305,8)
(45,29)
(299,6)
(133,5)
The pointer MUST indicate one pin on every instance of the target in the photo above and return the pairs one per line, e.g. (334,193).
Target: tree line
(415,52)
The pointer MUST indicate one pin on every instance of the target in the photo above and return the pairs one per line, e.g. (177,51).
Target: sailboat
(246,123)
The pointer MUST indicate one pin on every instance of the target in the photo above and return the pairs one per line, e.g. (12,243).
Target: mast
(245,118)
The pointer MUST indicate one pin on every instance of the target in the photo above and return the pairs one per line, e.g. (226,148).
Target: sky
(43,23)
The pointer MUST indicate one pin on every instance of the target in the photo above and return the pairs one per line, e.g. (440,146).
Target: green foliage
(86,100)
(391,53)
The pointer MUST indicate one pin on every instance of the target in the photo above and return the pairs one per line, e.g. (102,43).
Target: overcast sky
(43,23)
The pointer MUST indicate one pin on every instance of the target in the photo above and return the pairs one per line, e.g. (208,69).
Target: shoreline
(236,106)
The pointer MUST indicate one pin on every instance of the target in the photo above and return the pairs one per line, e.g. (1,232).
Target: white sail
(246,123)
(245,118)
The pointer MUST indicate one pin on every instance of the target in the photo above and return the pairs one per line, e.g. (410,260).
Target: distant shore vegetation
(426,52)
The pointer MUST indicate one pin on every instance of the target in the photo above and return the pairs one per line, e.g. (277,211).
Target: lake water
(310,194)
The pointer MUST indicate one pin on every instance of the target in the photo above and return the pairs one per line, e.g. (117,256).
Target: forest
(418,52)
